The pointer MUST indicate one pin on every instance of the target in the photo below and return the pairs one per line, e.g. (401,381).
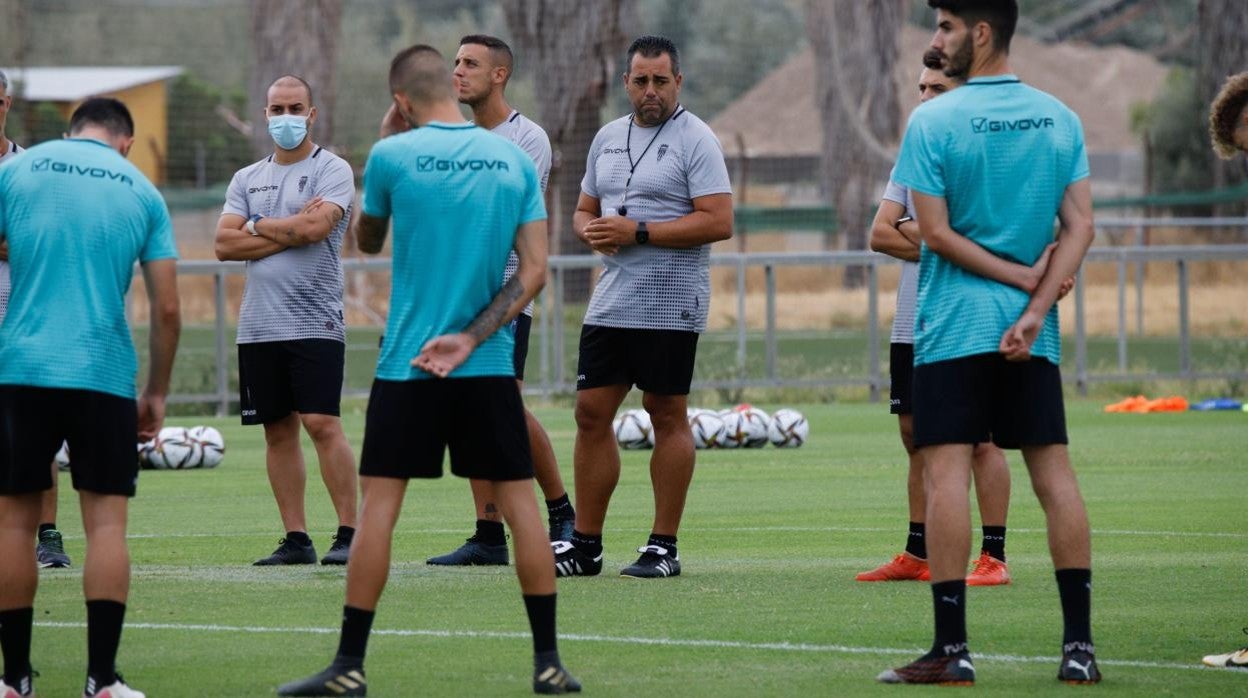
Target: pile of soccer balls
(174,448)
(743,426)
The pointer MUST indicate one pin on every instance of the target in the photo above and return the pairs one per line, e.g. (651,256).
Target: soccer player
(49,547)
(285,216)
(1228,130)
(461,199)
(895,233)
(482,68)
(67,367)
(990,165)
(652,211)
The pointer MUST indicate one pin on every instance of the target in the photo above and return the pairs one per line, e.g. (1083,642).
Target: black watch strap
(643,233)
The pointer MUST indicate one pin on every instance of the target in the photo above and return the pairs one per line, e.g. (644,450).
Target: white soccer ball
(633,430)
(145,455)
(62,457)
(754,426)
(789,428)
(211,443)
(178,451)
(707,428)
(734,434)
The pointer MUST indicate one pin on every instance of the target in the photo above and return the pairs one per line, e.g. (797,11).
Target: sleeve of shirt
(708,173)
(534,202)
(537,145)
(376,184)
(3,186)
(589,183)
(1079,165)
(895,192)
(236,197)
(920,166)
(159,243)
(337,184)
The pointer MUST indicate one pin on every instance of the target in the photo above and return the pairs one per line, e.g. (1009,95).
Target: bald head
(293,81)
(420,74)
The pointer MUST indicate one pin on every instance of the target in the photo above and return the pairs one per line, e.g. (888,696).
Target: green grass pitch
(767,604)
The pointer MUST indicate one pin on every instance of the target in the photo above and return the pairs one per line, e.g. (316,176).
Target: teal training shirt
(456,193)
(1001,153)
(77,215)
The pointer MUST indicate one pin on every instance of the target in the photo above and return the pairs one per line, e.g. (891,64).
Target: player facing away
(67,368)
(990,166)
(895,232)
(285,216)
(461,199)
(1228,130)
(654,197)
(483,65)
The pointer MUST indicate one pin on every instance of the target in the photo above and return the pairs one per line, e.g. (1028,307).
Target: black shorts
(979,398)
(277,378)
(901,378)
(101,429)
(520,329)
(656,361)
(410,424)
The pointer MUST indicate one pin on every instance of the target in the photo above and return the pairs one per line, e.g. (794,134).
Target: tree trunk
(856,46)
(296,38)
(1223,52)
(573,47)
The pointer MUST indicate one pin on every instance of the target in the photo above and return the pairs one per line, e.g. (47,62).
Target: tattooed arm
(445,353)
(311,225)
(370,232)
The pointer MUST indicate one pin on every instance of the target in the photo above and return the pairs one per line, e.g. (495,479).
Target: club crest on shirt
(303,182)
(658,157)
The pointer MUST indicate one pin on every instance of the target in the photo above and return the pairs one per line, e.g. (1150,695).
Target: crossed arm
(311,225)
(710,221)
(900,241)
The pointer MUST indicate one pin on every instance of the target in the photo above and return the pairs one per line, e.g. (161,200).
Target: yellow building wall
(148,106)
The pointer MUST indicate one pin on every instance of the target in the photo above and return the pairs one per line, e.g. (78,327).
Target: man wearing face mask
(285,216)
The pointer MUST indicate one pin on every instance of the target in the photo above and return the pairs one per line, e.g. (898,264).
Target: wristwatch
(643,233)
(251,224)
(903,219)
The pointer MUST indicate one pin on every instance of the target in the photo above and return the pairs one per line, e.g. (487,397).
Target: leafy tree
(203,147)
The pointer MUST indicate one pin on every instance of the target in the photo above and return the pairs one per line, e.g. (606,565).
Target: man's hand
(608,234)
(151,415)
(1017,340)
(1065,288)
(313,204)
(444,353)
(4,250)
(393,122)
(1039,268)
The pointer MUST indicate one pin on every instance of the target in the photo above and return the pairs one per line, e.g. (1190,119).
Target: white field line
(625,640)
(715,529)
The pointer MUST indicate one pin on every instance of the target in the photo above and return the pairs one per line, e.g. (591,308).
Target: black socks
(916,542)
(356,625)
(15,643)
(949,602)
(1075,588)
(994,542)
(104,621)
(490,532)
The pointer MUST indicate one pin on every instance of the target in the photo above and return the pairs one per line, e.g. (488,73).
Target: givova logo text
(429,163)
(986,125)
(50,165)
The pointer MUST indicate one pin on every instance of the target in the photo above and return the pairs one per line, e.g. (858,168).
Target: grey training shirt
(908,287)
(645,286)
(296,293)
(532,139)
(12,150)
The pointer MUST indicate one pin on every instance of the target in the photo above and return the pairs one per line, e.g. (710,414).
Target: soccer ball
(734,434)
(707,428)
(789,428)
(211,444)
(754,426)
(633,430)
(176,449)
(145,455)
(62,457)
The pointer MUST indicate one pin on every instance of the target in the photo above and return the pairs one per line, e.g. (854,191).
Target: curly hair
(1225,112)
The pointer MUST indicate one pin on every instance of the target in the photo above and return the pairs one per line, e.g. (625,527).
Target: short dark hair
(1001,15)
(499,50)
(652,46)
(296,78)
(106,112)
(420,72)
(1225,112)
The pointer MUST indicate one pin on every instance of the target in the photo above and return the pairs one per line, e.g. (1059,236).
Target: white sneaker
(1231,660)
(116,689)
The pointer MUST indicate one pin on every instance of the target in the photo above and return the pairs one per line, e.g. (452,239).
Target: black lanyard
(628,152)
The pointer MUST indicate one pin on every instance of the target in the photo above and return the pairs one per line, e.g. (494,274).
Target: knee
(282,432)
(322,428)
(592,417)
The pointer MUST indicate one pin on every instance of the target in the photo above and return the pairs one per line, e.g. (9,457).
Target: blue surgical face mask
(288,130)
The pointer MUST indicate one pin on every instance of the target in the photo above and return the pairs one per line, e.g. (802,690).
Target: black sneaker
(472,552)
(339,552)
(1078,667)
(655,561)
(950,670)
(334,681)
(571,562)
(553,679)
(289,553)
(50,551)
(561,528)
